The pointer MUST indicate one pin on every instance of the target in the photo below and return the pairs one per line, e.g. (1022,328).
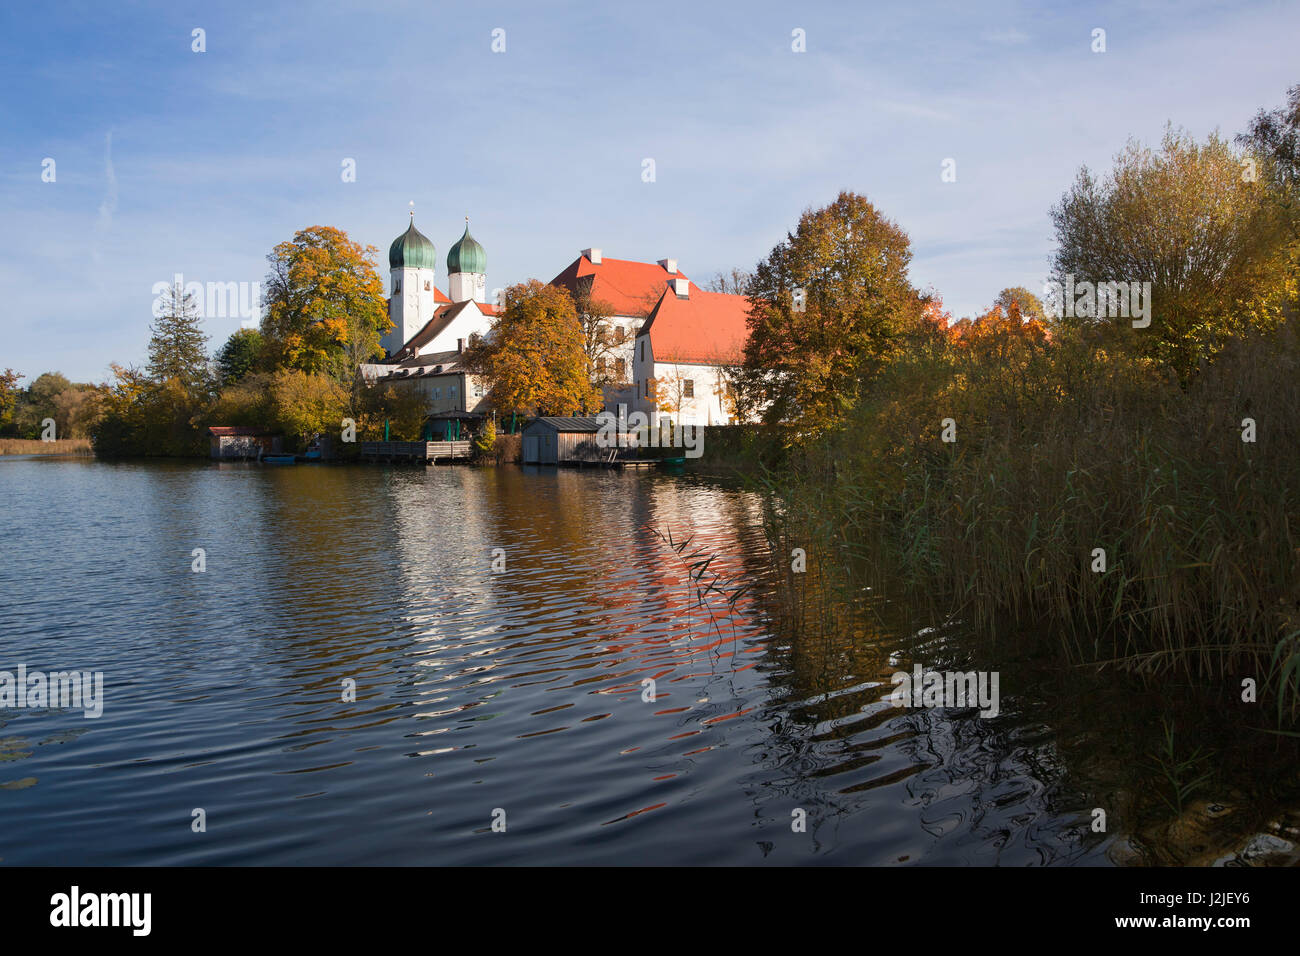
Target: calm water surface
(519,690)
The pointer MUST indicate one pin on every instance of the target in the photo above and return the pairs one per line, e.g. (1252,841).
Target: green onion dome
(412,250)
(467,255)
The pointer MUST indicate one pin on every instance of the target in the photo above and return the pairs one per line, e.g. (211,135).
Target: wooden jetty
(418,452)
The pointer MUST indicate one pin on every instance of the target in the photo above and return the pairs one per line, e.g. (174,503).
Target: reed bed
(1063,450)
(34,446)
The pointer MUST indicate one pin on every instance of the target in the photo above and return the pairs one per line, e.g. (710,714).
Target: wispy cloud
(109,204)
(227,152)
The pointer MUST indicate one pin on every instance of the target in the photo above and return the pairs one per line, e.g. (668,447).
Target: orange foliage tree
(325,306)
(533,357)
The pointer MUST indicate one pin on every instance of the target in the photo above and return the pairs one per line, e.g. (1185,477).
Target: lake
(500,625)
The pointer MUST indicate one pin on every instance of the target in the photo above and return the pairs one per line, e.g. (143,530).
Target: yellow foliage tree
(325,306)
(534,357)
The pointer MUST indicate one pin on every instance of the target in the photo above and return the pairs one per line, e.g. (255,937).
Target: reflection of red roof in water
(708,328)
(630,287)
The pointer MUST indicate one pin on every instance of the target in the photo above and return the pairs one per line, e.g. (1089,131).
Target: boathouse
(243,441)
(570,441)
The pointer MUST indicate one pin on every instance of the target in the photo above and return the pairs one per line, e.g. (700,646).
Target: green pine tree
(178,346)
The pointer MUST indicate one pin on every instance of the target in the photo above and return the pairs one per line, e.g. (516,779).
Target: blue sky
(173,161)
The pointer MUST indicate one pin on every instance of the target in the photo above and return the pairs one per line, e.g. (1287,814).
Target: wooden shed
(566,441)
(240,441)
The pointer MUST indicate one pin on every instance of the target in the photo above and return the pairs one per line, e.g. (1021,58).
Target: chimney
(593,255)
(670,266)
(682,287)
(460,345)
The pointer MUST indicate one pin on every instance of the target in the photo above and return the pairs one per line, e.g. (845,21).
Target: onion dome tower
(411,262)
(467,269)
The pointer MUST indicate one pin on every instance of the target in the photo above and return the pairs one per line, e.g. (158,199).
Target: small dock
(415,452)
(611,459)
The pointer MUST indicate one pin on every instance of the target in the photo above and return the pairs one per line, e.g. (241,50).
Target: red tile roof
(632,288)
(709,328)
(443,316)
(439,295)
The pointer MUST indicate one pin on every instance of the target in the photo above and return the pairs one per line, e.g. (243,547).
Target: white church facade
(425,346)
(670,344)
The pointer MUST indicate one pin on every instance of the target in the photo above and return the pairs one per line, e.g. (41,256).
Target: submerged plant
(1183,777)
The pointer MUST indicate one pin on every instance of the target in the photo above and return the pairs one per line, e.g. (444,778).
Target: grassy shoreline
(79,447)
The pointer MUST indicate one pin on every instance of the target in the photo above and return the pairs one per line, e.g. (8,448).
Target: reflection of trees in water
(1020,787)
(985,790)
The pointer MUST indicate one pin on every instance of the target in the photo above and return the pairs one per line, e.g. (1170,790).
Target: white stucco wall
(462,286)
(411,308)
(707,406)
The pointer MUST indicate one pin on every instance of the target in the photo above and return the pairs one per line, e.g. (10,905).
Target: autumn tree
(305,403)
(1186,220)
(72,405)
(9,396)
(37,402)
(733,282)
(325,306)
(141,416)
(827,309)
(401,405)
(76,409)
(1273,140)
(533,357)
(245,402)
(599,341)
(1018,302)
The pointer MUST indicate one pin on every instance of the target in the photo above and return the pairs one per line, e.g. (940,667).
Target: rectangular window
(620,366)
(688,388)
(451,391)
(428,286)
(643,350)
(437,393)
